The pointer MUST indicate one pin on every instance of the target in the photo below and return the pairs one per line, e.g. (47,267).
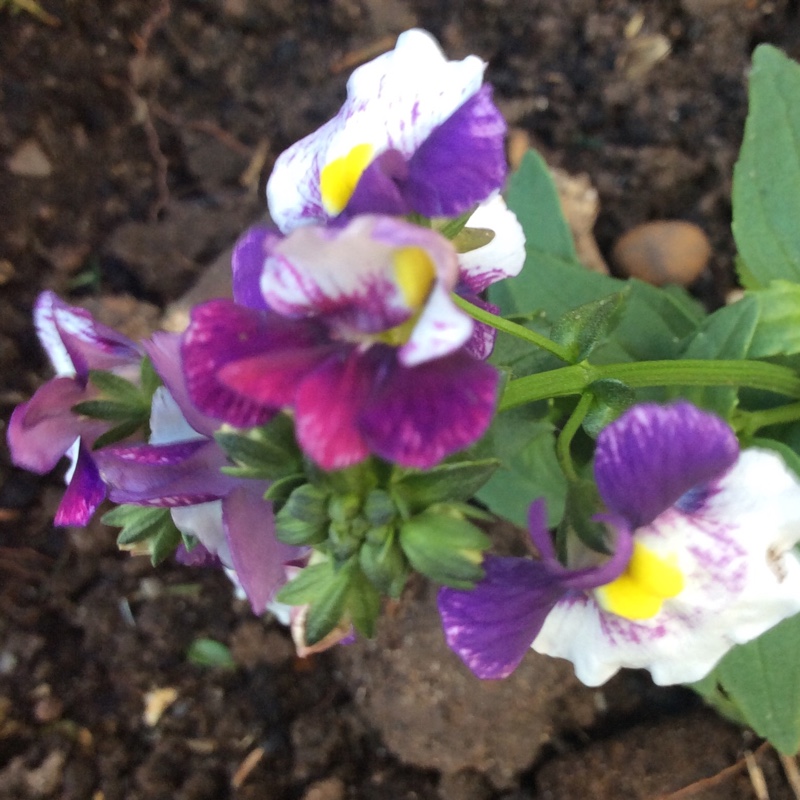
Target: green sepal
(384,563)
(583,328)
(110,411)
(454,481)
(445,548)
(610,398)
(469,239)
(450,228)
(304,519)
(117,433)
(116,388)
(268,452)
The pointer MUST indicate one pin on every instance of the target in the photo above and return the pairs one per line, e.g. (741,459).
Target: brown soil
(135,138)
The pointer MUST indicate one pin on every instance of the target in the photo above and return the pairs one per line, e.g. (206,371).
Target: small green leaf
(137,522)
(269,452)
(328,607)
(149,378)
(384,564)
(583,328)
(210,653)
(306,585)
(610,398)
(304,517)
(363,603)
(448,549)
(278,492)
(777,331)
(165,541)
(117,433)
(110,411)
(115,388)
(470,239)
(450,228)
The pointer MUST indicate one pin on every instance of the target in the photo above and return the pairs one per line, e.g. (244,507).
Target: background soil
(135,137)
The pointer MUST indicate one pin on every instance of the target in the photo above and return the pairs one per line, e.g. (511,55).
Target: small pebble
(327,789)
(29,161)
(667,251)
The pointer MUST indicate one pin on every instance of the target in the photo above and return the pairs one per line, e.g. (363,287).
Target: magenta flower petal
(461,162)
(247,265)
(257,556)
(419,415)
(221,332)
(84,493)
(169,475)
(327,407)
(42,430)
(652,455)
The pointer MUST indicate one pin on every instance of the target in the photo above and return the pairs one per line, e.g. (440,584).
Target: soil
(135,140)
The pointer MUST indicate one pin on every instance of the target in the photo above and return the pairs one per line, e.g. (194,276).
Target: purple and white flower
(179,469)
(417,133)
(43,430)
(352,328)
(703,537)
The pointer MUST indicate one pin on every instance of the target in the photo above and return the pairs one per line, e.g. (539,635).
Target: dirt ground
(135,138)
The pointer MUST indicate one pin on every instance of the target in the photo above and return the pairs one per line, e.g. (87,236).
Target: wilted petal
(741,578)
(461,162)
(84,493)
(419,415)
(393,102)
(503,256)
(652,455)
(41,431)
(257,556)
(75,342)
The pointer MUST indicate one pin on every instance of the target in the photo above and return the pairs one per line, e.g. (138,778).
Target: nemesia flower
(355,331)
(703,560)
(417,133)
(43,430)
(179,469)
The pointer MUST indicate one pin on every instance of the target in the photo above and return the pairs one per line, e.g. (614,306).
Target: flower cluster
(320,435)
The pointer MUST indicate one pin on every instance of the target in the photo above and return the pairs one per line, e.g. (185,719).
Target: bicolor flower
(417,133)
(703,538)
(353,329)
(179,469)
(43,430)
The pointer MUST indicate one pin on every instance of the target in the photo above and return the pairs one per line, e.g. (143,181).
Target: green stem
(568,432)
(748,422)
(574,379)
(505,325)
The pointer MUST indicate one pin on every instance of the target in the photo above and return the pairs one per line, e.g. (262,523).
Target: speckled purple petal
(76,342)
(84,493)
(462,162)
(481,343)
(258,557)
(221,333)
(42,430)
(419,415)
(652,455)
(247,263)
(181,474)
(327,408)
(492,626)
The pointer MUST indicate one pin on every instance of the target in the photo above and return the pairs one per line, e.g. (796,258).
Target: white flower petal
(167,423)
(204,522)
(44,319)
(394,101)
(741,578)
(504,256)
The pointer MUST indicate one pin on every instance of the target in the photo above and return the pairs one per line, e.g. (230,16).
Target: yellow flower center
(641,590)
(415,274)
(338,180)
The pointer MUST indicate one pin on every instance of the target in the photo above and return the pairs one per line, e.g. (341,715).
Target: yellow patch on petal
(641,590)
(338,180)
(415,273)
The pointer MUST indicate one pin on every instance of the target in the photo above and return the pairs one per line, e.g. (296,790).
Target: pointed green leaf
(115,388)
(117,433)
(149,378)
(210,653)
(304,517)
(583,328)
(453,481)
(306,585)
(766,179)
(137,522)
(778,329)
(110,411)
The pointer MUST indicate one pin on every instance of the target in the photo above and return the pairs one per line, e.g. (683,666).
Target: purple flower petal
(181,474)
(257,556)
(84,493)
(379,190)
(198,556)
(221,333)
(492,626)
(462,162)
(42,430)
(247,265)
(419,415)
(76,342)
(481,343)
(652,455)
(327,407)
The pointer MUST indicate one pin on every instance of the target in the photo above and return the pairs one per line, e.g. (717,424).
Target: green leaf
(137,522)
(384,563)
(306,585)
(447,549)
(165,541)
(328,607)
(726,334)
(766,178)
(111,411)
(268,452)
(762,678)
(117,433)
(530,469)
(363,603)
(149,378)
(450,228)
(115,388)
(470,239)
(778,329)
(210,653)
(582,329)
(304,517)
(610,398)
(455,481)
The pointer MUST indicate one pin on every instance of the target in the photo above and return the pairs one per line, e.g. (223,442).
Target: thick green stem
(505,325)
(637,375)
(748,422)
